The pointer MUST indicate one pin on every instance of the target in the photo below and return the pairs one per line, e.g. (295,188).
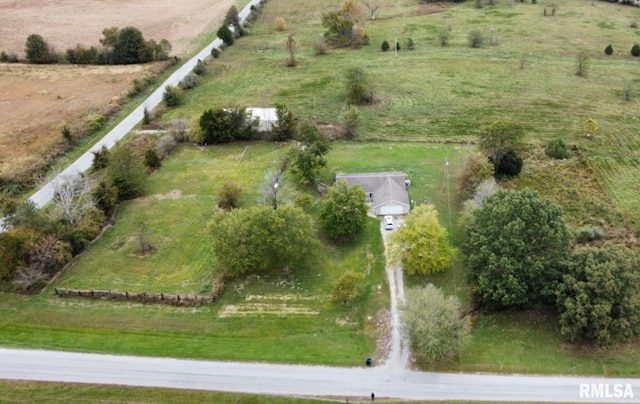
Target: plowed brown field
(36,101)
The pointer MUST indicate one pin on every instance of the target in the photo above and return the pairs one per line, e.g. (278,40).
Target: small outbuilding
(386,193)
(266,117)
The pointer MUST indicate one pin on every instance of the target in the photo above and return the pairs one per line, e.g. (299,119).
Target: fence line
(161,298)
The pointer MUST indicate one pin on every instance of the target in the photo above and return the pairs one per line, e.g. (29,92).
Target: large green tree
(37,50)
(421,245)
(343,213)
(261,238)
(517,244)
(432,323)
(126,172)
(130,47)
(599,298)
(309,157)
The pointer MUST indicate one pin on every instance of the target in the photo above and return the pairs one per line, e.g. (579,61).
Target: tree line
(118,47)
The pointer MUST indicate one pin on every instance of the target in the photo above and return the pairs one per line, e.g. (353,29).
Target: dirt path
(399,348)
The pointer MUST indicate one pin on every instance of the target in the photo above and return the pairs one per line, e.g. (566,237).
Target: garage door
(390,209)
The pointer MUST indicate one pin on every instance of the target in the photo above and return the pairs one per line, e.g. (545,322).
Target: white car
(388,222)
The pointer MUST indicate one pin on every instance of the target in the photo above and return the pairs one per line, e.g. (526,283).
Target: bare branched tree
(373,6)
(72,196)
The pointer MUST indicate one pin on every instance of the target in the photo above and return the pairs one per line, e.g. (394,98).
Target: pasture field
(445,94)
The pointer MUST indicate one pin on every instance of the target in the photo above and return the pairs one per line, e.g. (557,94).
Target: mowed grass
(445,94)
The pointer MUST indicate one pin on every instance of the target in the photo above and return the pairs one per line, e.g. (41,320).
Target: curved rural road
(293,380)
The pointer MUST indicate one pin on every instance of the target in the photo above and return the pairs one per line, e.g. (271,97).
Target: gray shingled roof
(385,188)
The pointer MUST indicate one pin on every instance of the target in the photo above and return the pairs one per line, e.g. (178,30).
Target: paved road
(44,195)
(296,380)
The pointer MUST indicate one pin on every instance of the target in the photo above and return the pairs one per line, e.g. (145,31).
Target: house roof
(384,188)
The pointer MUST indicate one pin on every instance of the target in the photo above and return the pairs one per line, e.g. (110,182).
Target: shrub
(302,200)
(146,116)
(410,44)
(172,96)
(165,145)
(476,169)
(475,39)
(229,196)
(215,53)
(280,24)
(608,50)
(351,120)
(8,57)
(557,149)
(628,91)
(589,233)
(320,48)
(66,134)
(151,159)
(199,68)
(347,288)
(635,50)
(444,36)
(358,87)
(96,122)
(384,46)
(190,81)
(101,158)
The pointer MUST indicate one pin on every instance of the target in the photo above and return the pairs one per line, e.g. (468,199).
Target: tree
(127,173)
(37,50)
(260,239)
(225,34)
(433,324)
(635,50)
(509,165)
(351,121)
(341,25)
(517,245)
(127,49)
(110,37)
(421,245)
(373,6)
(215,126)
(385,46)
(105,196)
(343,213)
(347,288)
(12,253)
(285,127)
(598,299)
(72,197)
(229,195)
(309,157)
(499,137)
(582,63)
(233,18)
(291,48)
(358,86)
